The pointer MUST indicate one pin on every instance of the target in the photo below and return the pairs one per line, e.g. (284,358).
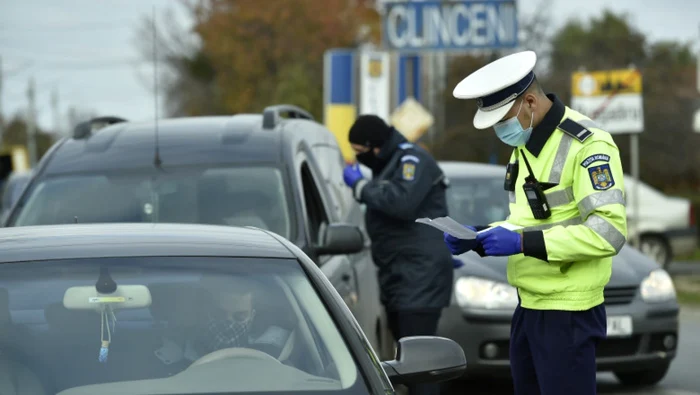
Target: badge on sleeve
(601,177)
(409,171)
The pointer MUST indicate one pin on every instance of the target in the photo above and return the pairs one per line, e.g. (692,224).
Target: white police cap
(496,86)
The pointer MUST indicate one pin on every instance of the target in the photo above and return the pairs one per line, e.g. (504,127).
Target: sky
(85,49)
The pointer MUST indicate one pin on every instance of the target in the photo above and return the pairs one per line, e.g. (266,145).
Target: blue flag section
(454,25)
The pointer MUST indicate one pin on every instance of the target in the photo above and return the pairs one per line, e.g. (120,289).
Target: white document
(450,226)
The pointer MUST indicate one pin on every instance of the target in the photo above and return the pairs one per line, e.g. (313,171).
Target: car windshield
(236,196)
(169,325)
(477,200)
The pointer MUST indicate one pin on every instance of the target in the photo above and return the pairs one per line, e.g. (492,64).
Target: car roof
(457,170)
(238,139)
(74,241)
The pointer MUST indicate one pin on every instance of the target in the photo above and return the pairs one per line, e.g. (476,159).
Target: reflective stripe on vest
(596,223)
(566,196)
(606,230)
(599,199)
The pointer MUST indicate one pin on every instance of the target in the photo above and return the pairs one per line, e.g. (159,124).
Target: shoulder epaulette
(405,145)
(575,129)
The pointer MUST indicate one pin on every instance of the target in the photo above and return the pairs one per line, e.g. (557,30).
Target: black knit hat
(370,131)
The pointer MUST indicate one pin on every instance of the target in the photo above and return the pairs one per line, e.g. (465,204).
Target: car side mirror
(426,359)
(339,239)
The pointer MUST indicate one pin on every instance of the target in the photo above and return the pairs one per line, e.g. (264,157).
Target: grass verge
(688,289)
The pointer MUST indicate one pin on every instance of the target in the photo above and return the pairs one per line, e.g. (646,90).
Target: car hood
(629,267)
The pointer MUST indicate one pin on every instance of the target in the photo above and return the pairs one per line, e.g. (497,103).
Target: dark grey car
(640,299)
(278,170)
(161,305)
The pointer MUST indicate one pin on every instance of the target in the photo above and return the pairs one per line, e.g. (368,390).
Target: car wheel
(643,377)
(656,248)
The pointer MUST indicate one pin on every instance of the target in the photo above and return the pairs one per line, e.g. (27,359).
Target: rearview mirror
(341,239)
(426,359)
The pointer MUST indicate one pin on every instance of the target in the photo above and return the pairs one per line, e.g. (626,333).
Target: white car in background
(666,227)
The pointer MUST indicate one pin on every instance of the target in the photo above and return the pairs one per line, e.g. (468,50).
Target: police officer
(567,220)
(414,266)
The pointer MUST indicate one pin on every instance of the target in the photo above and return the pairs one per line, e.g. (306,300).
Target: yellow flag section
(606,83)
(339,119)
(340,110)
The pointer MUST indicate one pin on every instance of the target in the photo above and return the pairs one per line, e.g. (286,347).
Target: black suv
(282,174)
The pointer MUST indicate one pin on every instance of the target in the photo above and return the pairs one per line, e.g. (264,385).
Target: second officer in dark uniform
(415,266)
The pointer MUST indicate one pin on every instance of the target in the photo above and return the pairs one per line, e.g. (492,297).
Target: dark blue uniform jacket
(415,266)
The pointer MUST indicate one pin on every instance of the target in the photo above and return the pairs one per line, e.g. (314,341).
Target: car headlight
(479,293)
(658,287)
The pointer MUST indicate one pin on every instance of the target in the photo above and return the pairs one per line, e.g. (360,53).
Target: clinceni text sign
(450,25)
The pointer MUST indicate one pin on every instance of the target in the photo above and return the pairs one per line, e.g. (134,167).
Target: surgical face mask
(511,131)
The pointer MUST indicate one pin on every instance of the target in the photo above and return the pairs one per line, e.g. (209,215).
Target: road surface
(682,379)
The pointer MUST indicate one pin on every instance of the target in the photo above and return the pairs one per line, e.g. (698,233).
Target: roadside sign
(454,25)
(411,119)
(375,84)
(612,98)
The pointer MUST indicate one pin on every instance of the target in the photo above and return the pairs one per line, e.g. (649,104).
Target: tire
(645,378)
(658,249)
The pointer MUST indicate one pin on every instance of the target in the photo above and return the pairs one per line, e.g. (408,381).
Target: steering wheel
(233,352)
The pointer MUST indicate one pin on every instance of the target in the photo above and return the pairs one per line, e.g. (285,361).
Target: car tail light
(692,214)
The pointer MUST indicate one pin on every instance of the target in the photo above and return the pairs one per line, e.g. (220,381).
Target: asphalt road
(682,379)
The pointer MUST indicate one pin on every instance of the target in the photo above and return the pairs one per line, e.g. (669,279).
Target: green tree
(250,55)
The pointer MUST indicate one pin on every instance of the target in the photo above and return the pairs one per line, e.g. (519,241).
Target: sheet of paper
(450,226)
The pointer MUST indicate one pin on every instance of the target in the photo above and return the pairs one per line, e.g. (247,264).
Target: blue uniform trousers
(552,352)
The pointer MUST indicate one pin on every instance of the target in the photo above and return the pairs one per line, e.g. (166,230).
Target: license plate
(619,326)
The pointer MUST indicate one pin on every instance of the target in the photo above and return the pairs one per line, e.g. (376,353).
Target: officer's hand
(500,241)
(352,174)
(456,263)
(459,246)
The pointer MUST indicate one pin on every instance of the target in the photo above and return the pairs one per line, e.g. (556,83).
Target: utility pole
(31,124)
(56,116)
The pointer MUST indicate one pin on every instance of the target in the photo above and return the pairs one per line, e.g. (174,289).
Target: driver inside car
(233,321)
(229,323)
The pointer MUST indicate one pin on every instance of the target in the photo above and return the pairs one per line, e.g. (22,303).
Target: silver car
(640,299)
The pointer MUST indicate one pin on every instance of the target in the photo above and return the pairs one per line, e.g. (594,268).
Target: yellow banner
(606,82)
(339,119)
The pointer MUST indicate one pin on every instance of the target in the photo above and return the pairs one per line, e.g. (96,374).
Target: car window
(316,215)
(331,165)
(250,196)
(172,325)
(478,200)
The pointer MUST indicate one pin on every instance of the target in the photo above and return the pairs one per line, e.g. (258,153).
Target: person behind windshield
(230,321)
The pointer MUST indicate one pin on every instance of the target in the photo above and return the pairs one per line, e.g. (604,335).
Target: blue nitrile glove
(458,246)
(352,174)
(456,263)
(500,241)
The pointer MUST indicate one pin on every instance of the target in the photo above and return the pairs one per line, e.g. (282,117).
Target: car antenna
(75,219)
(156,160)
